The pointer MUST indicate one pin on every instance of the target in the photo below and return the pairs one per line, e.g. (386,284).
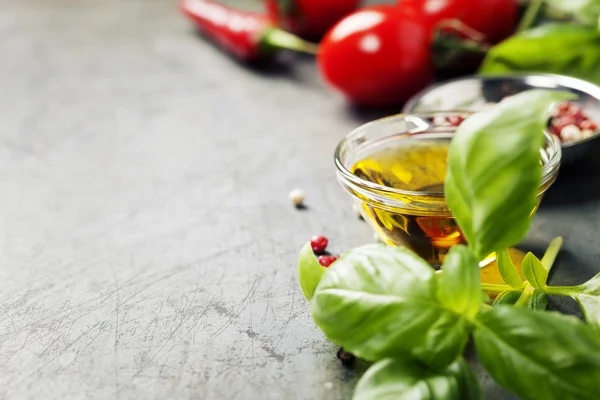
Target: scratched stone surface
(147,244)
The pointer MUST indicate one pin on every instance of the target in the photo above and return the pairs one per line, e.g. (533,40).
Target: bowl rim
(563,80)
(549,169)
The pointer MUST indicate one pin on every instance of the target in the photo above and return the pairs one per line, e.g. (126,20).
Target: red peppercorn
(560,123)
(326,261)
(454,120)
(588,124)
(574,110)
(563,108)
(318,244)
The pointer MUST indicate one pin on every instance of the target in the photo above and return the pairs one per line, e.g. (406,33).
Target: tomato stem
(461,27)
(278,39)
(453,43)
(453,40)
(531,13)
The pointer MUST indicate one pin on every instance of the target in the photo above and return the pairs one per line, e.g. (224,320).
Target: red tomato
(496,19)
(377,56)
(309,19)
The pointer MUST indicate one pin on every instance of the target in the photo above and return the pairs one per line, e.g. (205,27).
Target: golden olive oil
(425,225)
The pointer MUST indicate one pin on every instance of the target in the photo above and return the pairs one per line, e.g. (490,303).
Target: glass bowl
(418,219)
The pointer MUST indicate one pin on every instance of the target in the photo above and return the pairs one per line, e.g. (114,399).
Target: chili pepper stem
(278,39)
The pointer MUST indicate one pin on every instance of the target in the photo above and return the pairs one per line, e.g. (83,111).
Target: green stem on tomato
(453,43)
(494,288)
(531,12)
(460,27)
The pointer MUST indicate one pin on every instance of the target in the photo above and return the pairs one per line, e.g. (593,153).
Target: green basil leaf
(586,11)
(494,154)
(588,297)
(507,298)
(507,269)
(534,271)
(539,355)
(566,49)
(538,300)
(380,301)
(459,284)
(310,271)
(399,379)
(590,306)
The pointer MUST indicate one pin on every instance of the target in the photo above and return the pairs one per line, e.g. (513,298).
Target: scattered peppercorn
(318,244)
(346,358)
(297,197)
(326,261)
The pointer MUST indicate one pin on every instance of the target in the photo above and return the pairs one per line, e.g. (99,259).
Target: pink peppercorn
(318,244)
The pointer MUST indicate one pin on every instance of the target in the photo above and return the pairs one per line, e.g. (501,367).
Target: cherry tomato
(377,56)
(309,19)
(496,19)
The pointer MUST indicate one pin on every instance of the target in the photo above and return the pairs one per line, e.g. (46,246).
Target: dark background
(147,244)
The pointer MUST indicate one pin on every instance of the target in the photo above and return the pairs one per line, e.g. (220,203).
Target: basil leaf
(459,286)
(590,306)
(507,298)
(309,271)
(566,49)
(494,170)
(534,271)
(380,301)
(398,379)
(538,300)
(588,297)
(507,269)
(539,355)
(586,11)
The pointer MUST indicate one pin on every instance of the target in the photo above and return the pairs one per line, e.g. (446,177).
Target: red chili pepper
(309,19)
(248,36)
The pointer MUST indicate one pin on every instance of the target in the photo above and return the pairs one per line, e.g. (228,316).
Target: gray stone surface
(147,245)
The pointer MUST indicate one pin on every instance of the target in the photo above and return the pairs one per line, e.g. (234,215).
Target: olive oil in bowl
(395,169)
(417,166)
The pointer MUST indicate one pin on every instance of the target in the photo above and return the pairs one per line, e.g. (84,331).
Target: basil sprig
(387,305)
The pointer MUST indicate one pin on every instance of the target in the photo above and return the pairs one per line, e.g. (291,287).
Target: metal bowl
(473,93)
